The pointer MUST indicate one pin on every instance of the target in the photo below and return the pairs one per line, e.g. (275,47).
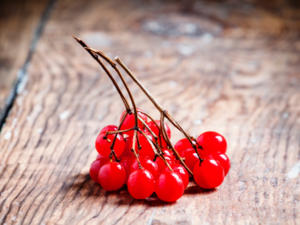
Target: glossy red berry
(208,174)
(129,122)
(212,142)
(182,145)
(169,186)
(108,128)
(224,161)
(191,158)
(94,170)
(147,164)
(112,176)
(103,144)
(183,173)
(140,184)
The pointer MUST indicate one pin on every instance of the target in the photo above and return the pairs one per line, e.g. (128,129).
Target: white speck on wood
(40,130)
(7,136)
(294,171)
(173,84)
(185,50)
(197,122)
(64,115)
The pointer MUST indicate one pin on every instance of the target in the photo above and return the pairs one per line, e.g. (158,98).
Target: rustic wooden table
(229,66)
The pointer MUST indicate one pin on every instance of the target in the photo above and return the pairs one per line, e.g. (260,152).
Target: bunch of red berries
(144,171)
(139,152)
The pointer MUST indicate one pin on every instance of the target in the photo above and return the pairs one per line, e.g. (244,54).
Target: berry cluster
(138,152)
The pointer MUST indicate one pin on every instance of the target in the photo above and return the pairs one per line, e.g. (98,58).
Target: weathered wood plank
(18,22)
(228,67)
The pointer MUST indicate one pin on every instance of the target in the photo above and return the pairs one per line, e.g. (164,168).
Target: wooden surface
(230,67)
(19,23)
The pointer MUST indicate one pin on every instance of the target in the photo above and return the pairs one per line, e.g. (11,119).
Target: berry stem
(83,44)
(118,131)
(133,148)
(112,152)
(165,136)
(114,66)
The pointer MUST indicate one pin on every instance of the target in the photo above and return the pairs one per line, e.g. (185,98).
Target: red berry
(182,145)
(208,174)
(148,164)
(129,122)
(103,144)
(169,186)
(224,161)
(191,158)
(108,128)
(212,142)
(183,173)
(94,170)
(112,176)
(140,184)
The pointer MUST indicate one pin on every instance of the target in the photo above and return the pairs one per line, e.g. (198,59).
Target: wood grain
(18,24)
(231,67)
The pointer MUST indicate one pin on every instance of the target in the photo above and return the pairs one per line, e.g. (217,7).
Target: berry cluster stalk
(163,113)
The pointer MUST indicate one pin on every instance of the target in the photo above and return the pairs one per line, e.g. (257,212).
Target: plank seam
(22,73)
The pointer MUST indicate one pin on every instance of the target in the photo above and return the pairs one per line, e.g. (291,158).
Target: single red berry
(182,145)
(94,170)
(108,128)
(183,173)
(148,164)
(208,174)
(112,176)
(191,158)
(103,144)
(212,142)
(224,161)
(169,186)
(140,184)
(129,122)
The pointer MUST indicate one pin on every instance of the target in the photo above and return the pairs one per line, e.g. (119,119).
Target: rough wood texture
(18,22)
(230,67)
